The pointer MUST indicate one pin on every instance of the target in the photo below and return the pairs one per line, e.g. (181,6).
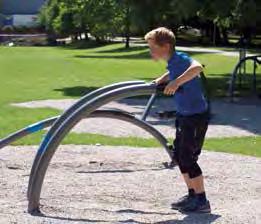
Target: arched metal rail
(72,109)
(84,108)
(57,122)
(67,113)
(256,60)
(51,142)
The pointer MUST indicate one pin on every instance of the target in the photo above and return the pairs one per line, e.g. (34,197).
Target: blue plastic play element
(35,127)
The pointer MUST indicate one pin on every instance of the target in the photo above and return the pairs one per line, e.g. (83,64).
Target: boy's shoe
(170,165)
(182,202)
(196,205)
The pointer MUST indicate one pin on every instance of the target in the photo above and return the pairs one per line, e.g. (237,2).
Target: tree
(106,18)
(246,17)
(73,17)
(218,14)
(124,10)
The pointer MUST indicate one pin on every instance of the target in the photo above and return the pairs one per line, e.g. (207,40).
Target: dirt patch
(89,184)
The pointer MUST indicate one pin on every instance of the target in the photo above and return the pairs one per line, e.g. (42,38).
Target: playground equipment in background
(237,74)
(86,107)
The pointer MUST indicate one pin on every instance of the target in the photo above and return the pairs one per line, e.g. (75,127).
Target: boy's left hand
(171,88)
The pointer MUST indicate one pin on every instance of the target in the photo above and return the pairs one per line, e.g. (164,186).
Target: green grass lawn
(37,73)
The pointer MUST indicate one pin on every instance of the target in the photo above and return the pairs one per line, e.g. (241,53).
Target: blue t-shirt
(190,98)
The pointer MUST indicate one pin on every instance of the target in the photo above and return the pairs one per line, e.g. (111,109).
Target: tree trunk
(86,36)
(209,30)
(225,36)
(127,44)
(216,35)
(51,39)
(80,35)
(98,39)
(127,26)
(247,34)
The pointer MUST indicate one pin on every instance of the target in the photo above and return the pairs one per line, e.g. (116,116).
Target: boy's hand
(171,88)
(158,81)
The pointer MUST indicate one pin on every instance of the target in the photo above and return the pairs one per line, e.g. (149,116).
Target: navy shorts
(190,135)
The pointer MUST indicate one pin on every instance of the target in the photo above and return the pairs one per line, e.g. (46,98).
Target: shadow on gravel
(40,214)
(143,212)
(120,171)
(193,218)
(70,219)
(190,218)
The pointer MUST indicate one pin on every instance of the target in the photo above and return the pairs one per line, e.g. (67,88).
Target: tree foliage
(106,18)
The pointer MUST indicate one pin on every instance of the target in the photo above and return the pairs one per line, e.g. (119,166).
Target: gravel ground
(90,184)
(229,120)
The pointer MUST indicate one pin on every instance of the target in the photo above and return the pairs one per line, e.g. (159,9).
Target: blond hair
(161,36)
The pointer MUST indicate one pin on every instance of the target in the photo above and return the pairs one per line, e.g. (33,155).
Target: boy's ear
(168,46)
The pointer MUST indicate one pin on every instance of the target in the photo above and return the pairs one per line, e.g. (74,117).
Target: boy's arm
(162,79)
(193,70)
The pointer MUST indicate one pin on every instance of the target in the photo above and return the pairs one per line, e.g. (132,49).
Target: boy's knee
(192,170)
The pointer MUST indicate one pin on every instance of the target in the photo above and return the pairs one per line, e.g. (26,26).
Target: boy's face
(159,52)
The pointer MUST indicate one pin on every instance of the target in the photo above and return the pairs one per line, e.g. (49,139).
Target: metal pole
(148,106)
(254,78)
(235,72)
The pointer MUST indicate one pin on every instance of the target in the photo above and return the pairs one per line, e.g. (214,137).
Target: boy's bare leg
(197,184)
(187,181)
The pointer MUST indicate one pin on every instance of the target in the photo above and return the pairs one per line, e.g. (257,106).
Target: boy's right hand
(158,81)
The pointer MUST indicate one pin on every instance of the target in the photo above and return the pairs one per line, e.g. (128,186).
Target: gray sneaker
(196,205)
(182,202)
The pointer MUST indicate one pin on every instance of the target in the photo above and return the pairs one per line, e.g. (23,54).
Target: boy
(192,115)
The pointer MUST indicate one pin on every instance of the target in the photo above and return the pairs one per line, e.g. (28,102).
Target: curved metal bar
(72,109)
(235,71)
(27,131)
(54,141)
